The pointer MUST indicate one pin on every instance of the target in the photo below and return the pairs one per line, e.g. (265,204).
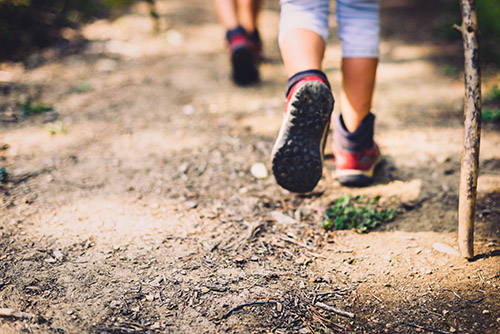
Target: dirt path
(141,214)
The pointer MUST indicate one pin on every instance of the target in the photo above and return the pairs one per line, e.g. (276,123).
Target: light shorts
(358,23)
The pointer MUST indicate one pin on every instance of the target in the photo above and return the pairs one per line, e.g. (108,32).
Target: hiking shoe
(245,53)
(297,156)
(355,169)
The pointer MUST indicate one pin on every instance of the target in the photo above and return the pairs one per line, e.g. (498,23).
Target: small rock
(183,167)
(190,204)
(486,312)
(279,307)
(58,255)
(150,298)
(106,65)
(174,37)
(453,329)
(239,259)
(50,259)
(259,170)
(188,109)
(282,218)
(304,330)
(445,249)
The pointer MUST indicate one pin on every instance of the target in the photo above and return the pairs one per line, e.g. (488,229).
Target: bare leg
(248,12)
(226,11)
(302,50)
(357,89)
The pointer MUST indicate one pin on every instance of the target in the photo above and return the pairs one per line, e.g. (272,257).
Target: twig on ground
(28,176)
(458,296)
(335,310)
(427,328)
(305,323)
(239,307)
(9,312)
(471,301)
(295,242)
(377,298)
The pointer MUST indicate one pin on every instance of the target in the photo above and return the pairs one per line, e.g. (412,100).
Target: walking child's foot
(356,154)
(245,51)
(297,157)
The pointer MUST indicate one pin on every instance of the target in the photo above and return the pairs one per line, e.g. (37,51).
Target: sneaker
(297,156)
(245,53)
(355,169)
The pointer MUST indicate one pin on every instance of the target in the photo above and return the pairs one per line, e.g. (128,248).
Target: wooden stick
(335,310)
(472,128)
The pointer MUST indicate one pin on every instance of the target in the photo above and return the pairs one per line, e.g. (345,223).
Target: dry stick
(334,310)
(9,312)
(239,307)
(472,128)
(427,328)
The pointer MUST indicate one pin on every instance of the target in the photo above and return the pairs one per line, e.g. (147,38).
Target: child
(239,17)
(297,155)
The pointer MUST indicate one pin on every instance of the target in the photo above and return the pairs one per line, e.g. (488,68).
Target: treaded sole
(297,159)
(245,70)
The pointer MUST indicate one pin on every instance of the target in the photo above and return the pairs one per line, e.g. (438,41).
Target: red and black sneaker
(356,169)
(245,55)
(297,156)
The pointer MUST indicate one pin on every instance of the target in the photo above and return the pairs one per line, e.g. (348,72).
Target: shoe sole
(356,178)
(245,70)
(297,158)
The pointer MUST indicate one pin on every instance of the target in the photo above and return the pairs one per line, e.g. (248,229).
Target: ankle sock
(361,138)
(301,75)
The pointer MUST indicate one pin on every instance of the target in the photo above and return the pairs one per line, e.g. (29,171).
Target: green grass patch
(81,87)
(490,115)
(451,71)
(356,213)
(494,94)
(3,175)
(56,128)
(29,108)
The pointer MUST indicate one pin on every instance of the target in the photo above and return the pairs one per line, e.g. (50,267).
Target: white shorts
(358,23)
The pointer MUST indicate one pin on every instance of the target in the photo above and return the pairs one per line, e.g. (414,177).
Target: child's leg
(302,50)
(357,89)
(226,11)
(297,155)
(239,18)
(248,13)
(302,35)
(355,151)
(359,33)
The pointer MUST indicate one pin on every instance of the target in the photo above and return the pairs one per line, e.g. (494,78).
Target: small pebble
(259,170)
(445,249)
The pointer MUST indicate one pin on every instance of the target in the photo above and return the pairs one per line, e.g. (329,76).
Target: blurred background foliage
(488,15)
(27,25)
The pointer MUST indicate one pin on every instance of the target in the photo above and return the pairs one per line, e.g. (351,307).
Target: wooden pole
(472,128)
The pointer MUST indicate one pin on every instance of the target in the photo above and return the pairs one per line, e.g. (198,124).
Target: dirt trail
(140,213)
